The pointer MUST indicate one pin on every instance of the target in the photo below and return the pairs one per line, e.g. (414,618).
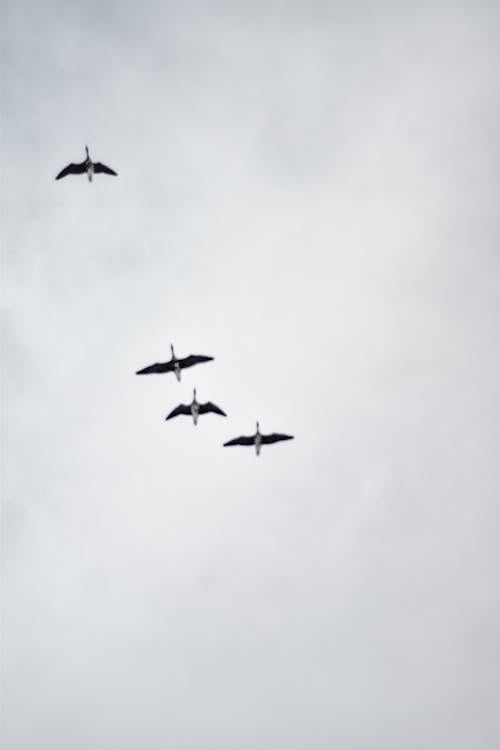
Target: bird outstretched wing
(209,406)
(193,359)
(274,437)
(72,169)
(181,409)
(98,167)
(242,440)
(157,367)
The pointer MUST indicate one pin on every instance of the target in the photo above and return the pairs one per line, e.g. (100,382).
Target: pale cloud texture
(307,192)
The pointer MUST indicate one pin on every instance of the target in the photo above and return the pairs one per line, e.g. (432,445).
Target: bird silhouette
(174,365)
(195,409)
(258,439)
(88,166)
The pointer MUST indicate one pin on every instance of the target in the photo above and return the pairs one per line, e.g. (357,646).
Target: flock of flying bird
(175,365)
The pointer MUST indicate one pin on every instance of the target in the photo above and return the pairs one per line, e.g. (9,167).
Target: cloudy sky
(308,192)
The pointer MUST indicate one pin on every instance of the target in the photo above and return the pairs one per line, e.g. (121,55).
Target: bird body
(87,166)
(174,364)
(195,409)
(258,439)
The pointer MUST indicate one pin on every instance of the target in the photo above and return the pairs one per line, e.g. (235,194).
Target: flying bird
(174,364)
(195,409)
(88,166)
(258,439)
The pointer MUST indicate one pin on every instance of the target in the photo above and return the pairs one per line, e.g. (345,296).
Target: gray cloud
(307,194)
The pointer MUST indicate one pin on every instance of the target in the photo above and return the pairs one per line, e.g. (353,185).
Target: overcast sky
(307,192)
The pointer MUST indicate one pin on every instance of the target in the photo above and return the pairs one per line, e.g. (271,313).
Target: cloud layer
(307,193)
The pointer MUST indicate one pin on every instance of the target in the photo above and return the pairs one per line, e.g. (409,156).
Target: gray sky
(307,191)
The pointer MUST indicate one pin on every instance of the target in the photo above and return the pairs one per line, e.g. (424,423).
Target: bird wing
(72,169)
(274,437)
(181,409)
(241,441)
(209,406)
(157,367)
(193,359)
(98,167)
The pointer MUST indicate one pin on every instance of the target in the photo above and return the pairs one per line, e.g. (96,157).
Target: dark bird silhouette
(258,439)
(88,166)
(195,409)
(174,364)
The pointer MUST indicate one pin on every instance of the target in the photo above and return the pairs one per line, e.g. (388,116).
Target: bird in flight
(174,364)
(195,409)
(88,166)
(258,439)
